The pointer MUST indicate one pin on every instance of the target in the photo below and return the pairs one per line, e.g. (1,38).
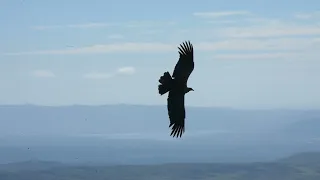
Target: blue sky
(248,54)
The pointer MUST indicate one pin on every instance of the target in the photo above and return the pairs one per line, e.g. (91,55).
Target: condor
(177,87)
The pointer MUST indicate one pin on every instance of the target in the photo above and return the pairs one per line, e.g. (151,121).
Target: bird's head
(189,89)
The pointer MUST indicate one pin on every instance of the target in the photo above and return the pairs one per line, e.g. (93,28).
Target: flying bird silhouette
(177,88)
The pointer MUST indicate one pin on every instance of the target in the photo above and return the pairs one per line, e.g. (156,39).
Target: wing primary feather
(188,46)
(184,47)
(177,131)
(181,52)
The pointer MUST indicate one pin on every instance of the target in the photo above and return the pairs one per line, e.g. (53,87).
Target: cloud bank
(43,74)
(128,70)
(221,31)
(97,75)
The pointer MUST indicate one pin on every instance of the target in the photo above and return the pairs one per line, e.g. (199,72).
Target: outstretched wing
(185,65)
(176,112)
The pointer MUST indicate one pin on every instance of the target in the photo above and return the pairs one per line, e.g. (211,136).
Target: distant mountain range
(299,166)
(138,134)
(141,119)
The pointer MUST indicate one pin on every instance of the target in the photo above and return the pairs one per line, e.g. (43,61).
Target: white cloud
(253,28)
(259,27)
(130,24)
(316,40)
(231,44)
(152,32)
(243,44)
(115,36)
(292,44)
(257,56)
(220,14)
(263,21)
(306,16)
(270,31)
(103,75)
(84,25)
(89,25)
(97,75)
(302,16)
(105,48)
(256,33)
(126,70)
(46,27)
(147,23)
(221,22)
(43,74)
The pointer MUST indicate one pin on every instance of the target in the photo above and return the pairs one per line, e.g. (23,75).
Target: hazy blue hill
(139,134)
(306,127)
(29,119)
(277,170)
(309,158)
(31,165)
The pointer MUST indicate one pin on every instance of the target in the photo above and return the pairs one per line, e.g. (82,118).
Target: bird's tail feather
(165,83)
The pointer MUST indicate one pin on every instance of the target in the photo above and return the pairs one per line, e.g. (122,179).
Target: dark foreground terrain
(304,166)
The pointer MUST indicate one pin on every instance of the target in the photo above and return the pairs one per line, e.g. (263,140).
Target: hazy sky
(248,53)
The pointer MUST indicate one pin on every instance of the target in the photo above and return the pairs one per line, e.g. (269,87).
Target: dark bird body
(177,88)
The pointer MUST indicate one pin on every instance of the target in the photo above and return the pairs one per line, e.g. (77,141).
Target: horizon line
(152,105)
